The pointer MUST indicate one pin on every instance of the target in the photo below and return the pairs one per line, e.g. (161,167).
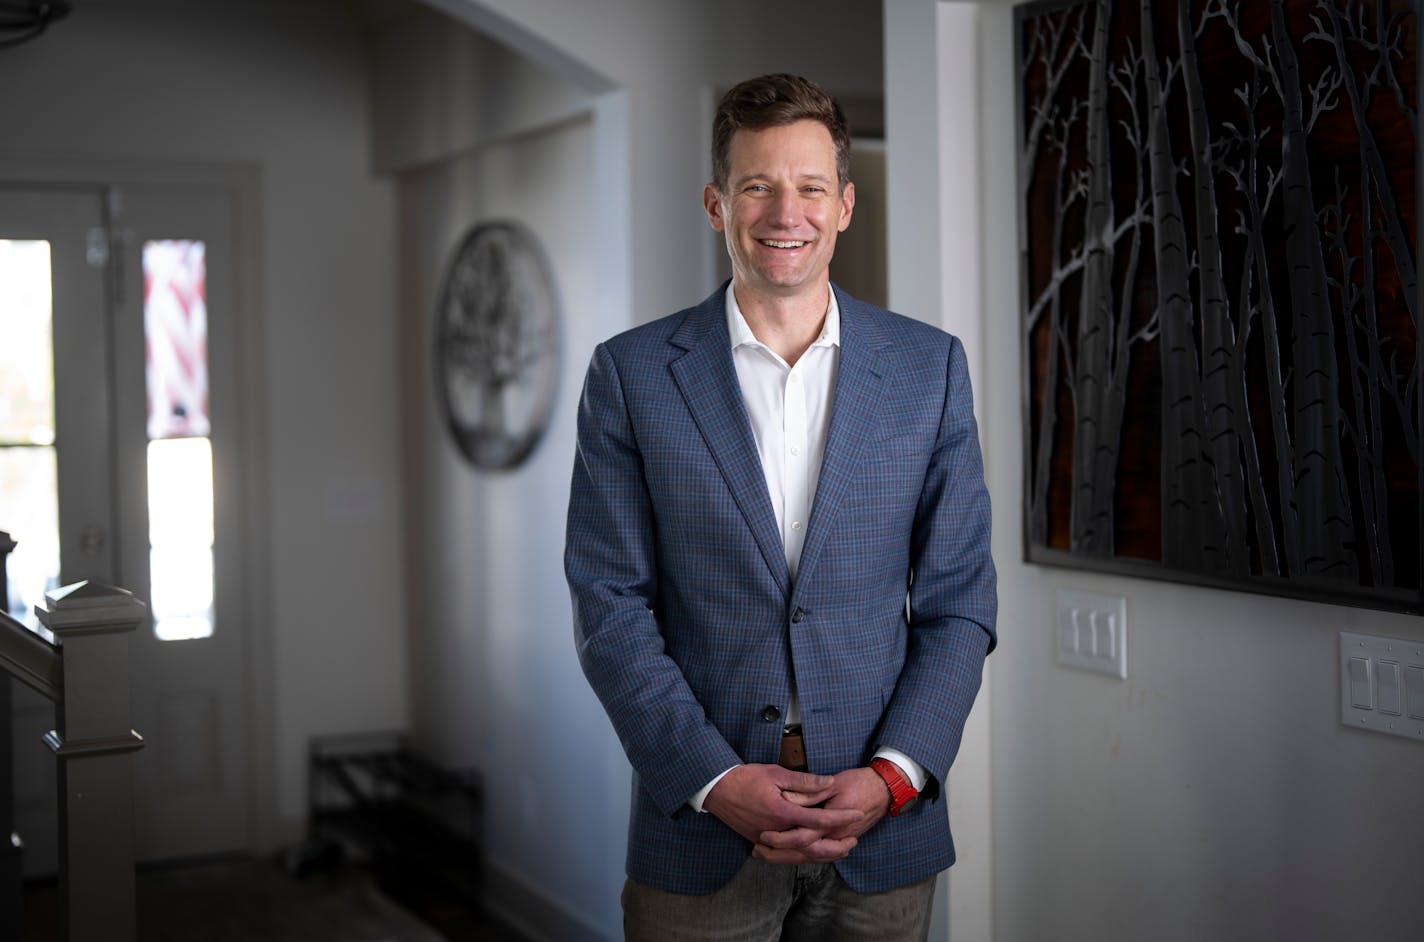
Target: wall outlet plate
(1382,685)
(1091,631)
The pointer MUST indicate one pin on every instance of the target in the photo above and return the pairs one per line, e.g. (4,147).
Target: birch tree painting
(1221,311)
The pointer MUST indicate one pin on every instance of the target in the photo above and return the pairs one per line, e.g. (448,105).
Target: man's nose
(786,208)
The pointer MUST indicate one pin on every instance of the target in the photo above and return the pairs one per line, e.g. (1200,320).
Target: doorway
(120,437)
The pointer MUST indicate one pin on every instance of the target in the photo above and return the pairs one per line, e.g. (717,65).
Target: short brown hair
(775,101)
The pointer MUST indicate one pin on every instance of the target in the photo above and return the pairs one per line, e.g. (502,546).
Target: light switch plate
(1382,684)
(1091,631)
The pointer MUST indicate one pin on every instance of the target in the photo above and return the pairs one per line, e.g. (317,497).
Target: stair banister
(86,673)
(12,868)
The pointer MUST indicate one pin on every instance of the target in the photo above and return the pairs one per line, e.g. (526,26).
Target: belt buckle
(793,749)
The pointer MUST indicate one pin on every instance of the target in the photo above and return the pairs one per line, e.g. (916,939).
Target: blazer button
(796,617)
(771,714)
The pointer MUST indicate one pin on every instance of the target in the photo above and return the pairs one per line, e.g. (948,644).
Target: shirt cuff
(696,800)
(913,770)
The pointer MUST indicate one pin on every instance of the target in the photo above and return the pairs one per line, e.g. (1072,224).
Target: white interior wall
(496,683)
(1213,794)
(280,87)
(934,265)
(834,42)
(431,88)
(645,61)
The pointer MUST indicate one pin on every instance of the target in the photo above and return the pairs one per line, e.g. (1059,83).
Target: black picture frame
(1221,338)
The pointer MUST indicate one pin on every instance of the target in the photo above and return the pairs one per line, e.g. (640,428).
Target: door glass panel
(29,496)
(180,456)
(175,319)
(180,520)
(29,499)
(27,354)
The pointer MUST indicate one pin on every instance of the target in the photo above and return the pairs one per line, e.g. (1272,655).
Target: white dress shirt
(790,411)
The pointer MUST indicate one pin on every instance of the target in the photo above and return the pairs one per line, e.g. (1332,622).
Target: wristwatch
(902,791)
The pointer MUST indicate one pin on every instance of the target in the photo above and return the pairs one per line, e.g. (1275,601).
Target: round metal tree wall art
(497,345)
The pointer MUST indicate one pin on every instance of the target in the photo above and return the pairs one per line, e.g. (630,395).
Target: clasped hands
(796,817)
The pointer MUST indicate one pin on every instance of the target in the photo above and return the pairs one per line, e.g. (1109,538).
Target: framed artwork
(1220,305)
(497,345)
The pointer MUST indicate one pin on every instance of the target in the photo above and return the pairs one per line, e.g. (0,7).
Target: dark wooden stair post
(81,662)
(94,745)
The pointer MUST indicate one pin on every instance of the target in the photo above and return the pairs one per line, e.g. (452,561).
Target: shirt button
(795,450)
(796,525)
(771,714)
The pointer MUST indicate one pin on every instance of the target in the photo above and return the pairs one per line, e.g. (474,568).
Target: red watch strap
(902,791)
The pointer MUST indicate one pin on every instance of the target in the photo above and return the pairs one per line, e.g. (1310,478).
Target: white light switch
(1414,692)
(1382,684)
(1097,638)
(1388,682)
(1360,696)
(1087,641)
(1067,632)
(1104,635)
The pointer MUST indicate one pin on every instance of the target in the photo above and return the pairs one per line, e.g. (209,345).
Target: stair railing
(85,671)
(12,911)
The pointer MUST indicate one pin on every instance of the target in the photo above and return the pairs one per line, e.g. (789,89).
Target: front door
(118,422)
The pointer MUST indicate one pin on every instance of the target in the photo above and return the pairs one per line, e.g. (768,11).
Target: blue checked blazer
(688,626)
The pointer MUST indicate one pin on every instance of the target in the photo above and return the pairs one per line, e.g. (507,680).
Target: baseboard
(532,913)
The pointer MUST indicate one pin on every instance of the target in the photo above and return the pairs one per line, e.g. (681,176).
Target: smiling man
(778,553)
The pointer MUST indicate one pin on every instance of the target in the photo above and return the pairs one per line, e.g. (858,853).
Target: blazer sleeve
(953,594)
(610,560)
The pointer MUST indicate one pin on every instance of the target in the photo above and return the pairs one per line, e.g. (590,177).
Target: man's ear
(847,206)
(712,202)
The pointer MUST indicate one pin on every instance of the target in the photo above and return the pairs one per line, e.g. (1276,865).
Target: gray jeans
(769,902)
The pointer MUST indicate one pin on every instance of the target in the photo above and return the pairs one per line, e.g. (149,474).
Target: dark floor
(263,901)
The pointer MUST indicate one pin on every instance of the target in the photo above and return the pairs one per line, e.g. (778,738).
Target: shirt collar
(742,335)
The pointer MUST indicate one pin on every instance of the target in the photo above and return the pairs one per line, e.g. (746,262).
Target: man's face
(782,208)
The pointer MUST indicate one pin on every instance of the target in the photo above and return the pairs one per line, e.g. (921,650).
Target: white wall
(280,87)
(432,89)
(1212,795)
(496,683)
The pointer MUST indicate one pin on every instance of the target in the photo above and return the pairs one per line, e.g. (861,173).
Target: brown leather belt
(793,750)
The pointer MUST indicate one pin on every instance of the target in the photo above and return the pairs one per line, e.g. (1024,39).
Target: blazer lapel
(853,424)
(708,382)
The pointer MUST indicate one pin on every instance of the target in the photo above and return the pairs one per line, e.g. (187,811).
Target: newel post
(93,746)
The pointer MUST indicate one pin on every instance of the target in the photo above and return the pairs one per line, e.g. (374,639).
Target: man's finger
(823,819)
(804,781)
(805,799)
(822,851)
(790,839)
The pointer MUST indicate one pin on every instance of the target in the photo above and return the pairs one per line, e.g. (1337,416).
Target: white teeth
(782,245)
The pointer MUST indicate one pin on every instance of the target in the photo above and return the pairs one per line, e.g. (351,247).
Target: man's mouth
(782,244)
